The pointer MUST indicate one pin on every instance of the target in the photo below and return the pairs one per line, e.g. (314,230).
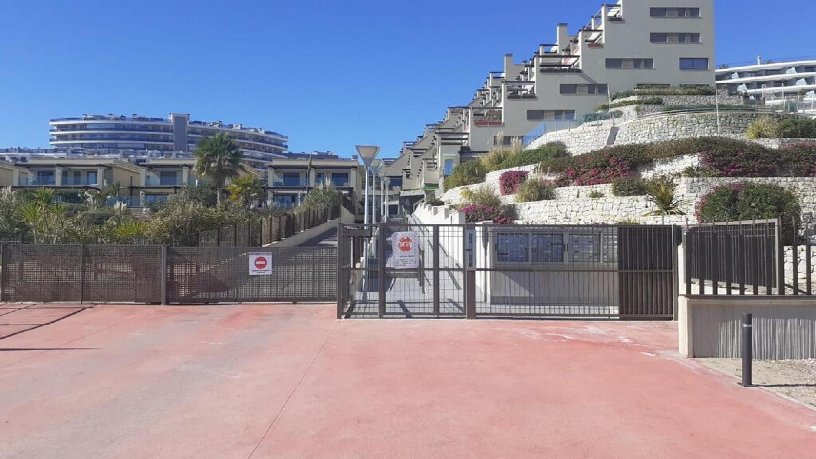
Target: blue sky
(329,74)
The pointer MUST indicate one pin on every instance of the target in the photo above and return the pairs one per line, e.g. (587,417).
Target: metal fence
(768,257)
(162,274)
(595,271)
(267,230)
(95,273)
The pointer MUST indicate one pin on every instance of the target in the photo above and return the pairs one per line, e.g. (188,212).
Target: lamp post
(381,173)
(367,153)
(386,194)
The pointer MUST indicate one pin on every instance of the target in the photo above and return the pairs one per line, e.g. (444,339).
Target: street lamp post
(367,153)
(383,203)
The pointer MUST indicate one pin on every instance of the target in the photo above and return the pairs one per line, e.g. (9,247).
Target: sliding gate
(485,270)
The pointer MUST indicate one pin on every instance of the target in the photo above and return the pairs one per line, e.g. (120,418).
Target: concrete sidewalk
(291,381)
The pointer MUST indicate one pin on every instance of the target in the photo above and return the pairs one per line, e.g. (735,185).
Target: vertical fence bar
(780,258)
(808,266)
(795,257)
(163,280)
(435,248)
(2,271)
(341,278)
(381,270)
(675,269)
(687,259)
(81,273)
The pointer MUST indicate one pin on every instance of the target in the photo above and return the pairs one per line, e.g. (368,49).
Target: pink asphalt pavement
(291,381)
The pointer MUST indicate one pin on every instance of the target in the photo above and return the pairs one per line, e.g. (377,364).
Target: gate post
(381,269)
(163,272)
(341,278)
(470,293)
(2,271)
(780,258)
(435,248)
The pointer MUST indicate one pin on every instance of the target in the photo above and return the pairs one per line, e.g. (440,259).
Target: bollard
(747,350)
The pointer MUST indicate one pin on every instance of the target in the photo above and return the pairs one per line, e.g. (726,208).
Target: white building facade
(775,83)
(632,43)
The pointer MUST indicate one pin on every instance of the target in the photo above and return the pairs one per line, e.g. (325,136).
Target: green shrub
(629,186)
(627,103)
(794,127)
(661,193)
(595,194)
(323,197)
(628,221)
(493,159)
(434,201)
(702,90)
(722,108)
(482,196)
(600,116)
(750,201)
(536,156)
(467,173)
(534,190)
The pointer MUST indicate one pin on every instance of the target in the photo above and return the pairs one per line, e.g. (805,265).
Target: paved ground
(792,378)
(290,381)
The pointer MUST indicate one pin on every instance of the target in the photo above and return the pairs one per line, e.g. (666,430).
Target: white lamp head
(367,153)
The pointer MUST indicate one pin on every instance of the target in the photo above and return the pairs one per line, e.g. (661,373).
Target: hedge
(467,173)
(510,181)
(530,157)
(663,91)
(627,103)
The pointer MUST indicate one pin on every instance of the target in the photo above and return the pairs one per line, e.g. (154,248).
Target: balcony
(520,90)
(488,117)
(158,182)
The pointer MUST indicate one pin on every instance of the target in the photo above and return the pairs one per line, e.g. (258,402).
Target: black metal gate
(221,274)
(485,270)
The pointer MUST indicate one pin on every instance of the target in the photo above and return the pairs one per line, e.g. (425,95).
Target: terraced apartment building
(625,45)
(790,82)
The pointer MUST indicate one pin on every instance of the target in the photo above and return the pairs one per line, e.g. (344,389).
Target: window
(500,140)
(168,178)
(92,178)
(45,178)
(693,63)
(512,248)
(675,12)
(340,179)
(672,38)
(284,201)
(584,89)
(550,115)
(448,167)
(629,63)
(320,179)
(547,248)
(291,179)
(396,182)
(585,248)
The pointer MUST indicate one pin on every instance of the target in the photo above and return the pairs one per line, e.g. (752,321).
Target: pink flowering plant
(510,181)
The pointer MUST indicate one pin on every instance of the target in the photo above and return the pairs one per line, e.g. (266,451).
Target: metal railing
(767,257)
(264,231)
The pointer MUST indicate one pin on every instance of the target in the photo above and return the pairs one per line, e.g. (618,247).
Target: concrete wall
(784,327)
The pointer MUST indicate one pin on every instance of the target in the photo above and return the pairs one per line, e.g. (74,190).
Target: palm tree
(245,190)
(217,159)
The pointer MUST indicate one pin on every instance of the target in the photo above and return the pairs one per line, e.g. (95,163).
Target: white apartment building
(775,83)
(625,45)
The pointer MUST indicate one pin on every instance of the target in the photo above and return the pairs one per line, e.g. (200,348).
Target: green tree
(217,159)
(245,191)
(661,193)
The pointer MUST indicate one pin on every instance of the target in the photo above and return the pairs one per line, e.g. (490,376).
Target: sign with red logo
(260,264)
(405,251)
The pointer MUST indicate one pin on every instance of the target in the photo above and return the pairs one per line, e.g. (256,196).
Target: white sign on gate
(260,264)
(404,251)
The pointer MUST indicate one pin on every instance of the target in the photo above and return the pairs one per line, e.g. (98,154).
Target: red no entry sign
(260,264)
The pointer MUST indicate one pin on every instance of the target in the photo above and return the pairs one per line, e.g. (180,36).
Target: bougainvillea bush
(510,181)
(801,159)
(475,213)
(741,160)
